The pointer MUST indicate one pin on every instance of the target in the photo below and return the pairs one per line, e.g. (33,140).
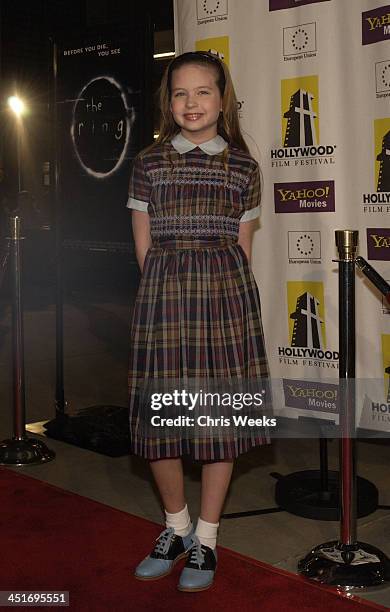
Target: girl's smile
(192,116)
(195,102)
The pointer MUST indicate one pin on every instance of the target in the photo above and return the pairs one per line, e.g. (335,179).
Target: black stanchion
(374,277)
(20,450)
(346,562)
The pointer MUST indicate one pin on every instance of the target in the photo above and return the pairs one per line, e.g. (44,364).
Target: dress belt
(194,231)
(194,242)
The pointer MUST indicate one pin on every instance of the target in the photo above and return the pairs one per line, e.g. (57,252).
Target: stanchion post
(17,333)
(20,450)
(60,401)
(347,242)
(347,563)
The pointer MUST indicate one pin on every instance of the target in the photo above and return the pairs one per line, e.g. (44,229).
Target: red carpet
(54,540)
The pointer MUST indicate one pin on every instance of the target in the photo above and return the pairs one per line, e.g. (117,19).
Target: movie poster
(104,119)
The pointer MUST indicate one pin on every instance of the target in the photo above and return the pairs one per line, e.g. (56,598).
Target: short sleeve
(251,197)
(139,187)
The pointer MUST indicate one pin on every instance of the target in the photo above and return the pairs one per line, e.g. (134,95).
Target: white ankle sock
(180,521)
(207,533)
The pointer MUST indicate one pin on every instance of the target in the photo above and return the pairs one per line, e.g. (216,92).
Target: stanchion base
(300,493)
(102,429)
(27,451)
(356,566)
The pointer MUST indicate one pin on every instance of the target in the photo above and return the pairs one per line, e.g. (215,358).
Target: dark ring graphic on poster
(101,121)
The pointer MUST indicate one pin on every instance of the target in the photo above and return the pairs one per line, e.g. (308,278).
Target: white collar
(211,147)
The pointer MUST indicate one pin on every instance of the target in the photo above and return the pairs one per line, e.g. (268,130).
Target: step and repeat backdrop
(312,78)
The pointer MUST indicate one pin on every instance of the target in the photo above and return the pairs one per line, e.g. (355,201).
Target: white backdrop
(326,63)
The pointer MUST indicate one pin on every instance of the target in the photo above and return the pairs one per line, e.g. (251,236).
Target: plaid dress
(197,310)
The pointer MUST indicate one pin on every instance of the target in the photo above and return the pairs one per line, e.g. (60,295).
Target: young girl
(194,195)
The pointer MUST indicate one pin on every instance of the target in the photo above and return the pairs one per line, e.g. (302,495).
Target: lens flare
(16,105)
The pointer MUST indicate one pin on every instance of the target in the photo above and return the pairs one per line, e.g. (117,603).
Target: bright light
(16,105)
(164,55)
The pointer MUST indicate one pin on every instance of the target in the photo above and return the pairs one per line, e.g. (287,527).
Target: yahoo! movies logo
(278,5)
(376,25)
(314,196)
(379,200)
(300,126)
(306,320)
(378,243)
(311,395)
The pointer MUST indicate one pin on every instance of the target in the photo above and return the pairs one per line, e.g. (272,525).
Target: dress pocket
(243,255)
(146,262)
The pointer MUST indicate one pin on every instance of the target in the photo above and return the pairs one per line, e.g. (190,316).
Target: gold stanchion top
(347,243)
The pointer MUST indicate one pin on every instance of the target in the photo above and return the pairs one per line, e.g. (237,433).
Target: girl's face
(195,102)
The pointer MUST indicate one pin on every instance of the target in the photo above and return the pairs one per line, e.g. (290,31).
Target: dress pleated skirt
(196,316)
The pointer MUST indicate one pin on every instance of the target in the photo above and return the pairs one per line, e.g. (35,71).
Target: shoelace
(197,554)
(164,541)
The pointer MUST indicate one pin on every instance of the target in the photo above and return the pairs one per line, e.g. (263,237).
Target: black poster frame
(142,27)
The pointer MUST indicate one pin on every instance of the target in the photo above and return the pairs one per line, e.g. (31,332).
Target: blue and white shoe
(170,548)
(199,570)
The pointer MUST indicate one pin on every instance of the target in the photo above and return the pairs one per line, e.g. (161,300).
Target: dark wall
(25,66)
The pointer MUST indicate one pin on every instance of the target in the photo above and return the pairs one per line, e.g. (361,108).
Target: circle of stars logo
(305,245)
(211,11)
(299,39)
(385,76)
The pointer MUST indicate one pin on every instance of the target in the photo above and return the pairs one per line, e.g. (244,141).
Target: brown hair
(228,125)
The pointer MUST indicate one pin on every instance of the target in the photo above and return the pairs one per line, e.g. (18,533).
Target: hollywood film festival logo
(300,126)
(300,42)
(379,201)
(211,11)
(305,300)
(377,405)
